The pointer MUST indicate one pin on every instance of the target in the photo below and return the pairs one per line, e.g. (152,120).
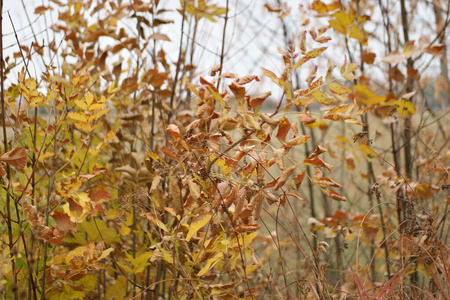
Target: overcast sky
(253,34)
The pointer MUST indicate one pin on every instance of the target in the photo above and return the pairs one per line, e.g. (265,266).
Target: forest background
(224,150)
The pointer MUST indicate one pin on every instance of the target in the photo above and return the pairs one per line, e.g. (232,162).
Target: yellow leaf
(111,214)
(125,230)
(84,199)
(81,104)
(367,150)
(31,84)
(343,139)
(323,98)
(272,76)
(89,98)
(343,18)
(346,71)
(405,108)
(288,90)
(97,106)
(140,262)
(167,255)
(75,81)
(111,88)
(315,52)
(319,6)
(248,238)
(410,49)
(105,253)
(117,289)
(97,115)
(222,165)
(45,155)
(85,126)
(366,96)
(77,116)
(157,222)
(75,252)
(157,158)
(197,224)
(338,88)
(336,25)
(88,282)
(357,32)
(210,263)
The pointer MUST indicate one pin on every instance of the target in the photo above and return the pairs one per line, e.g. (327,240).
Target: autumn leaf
(160,37)
(273,77)
(323,98)
(284,177)
(319,180)
(16,158)
(296,141)
(405,108)
(210,263)
(334,195)
(425,190)
(315,52)
(394,57)
(283,129)
(319,6)
(198,223)
(63,222)
(338,88)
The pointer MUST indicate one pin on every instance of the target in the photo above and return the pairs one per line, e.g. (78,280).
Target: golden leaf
(338,88)
(198,223)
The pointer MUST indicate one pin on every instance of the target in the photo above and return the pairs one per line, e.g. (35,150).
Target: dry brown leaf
(284,177)
(16,158)
(159,36)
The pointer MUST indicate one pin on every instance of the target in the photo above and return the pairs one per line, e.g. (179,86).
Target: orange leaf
(317,162)
(435,50)
(299,178)
(319,6)
(283,129)
(334,195)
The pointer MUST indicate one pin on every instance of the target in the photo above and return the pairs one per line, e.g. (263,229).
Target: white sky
(253,35)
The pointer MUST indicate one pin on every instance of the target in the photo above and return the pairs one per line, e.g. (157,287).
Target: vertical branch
(222,52)
(441,26)
(372,179)
(409,83)
(8,170)
(180,54)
